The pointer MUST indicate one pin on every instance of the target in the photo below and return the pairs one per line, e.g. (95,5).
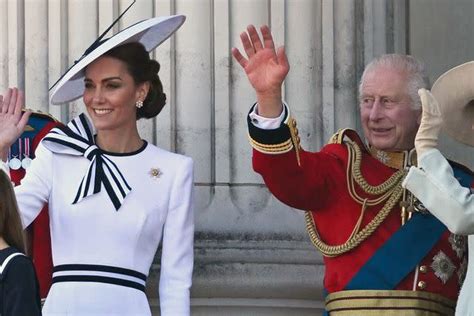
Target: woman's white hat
(454,90)
(151,33)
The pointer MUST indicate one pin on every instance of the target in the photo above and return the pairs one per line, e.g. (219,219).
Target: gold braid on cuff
(284,147)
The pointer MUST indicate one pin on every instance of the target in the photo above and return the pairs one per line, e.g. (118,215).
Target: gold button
(423,269)
(422,285)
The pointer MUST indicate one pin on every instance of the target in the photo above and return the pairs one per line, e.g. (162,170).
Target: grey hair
(417,77)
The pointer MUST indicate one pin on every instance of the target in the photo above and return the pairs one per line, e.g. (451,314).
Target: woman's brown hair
(143,69)
(11,228)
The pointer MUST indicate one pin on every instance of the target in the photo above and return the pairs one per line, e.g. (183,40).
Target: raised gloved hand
(427,136)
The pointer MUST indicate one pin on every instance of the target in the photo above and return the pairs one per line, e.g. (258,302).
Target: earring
(139,104)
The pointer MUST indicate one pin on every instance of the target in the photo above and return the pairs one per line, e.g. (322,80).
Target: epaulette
(340,135)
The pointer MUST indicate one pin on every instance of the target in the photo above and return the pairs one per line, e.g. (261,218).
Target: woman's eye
(113,85)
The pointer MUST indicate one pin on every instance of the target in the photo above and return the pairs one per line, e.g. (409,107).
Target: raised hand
(12,120)
(431,120)
(266,68)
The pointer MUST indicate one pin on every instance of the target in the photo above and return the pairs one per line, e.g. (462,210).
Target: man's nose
(376,111)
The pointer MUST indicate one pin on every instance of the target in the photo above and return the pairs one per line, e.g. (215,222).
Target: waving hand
(266,68)
(12,120)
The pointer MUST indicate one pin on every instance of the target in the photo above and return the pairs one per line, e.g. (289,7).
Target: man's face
(389,121)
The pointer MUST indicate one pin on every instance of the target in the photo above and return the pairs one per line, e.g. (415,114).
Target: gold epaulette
(387,193)
(338,138)
(293,142)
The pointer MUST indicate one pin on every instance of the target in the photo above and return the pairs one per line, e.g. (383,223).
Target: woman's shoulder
(168,155)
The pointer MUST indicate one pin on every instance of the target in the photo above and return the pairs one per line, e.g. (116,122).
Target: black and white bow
(77,139)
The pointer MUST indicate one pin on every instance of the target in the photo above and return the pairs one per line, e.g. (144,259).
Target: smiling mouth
(102,111)
(381,130)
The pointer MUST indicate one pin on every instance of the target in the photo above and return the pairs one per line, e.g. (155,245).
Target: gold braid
(390,190)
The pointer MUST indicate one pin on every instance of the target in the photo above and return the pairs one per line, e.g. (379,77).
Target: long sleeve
(178,240)
(296,177)
(35,188)
(21,289)
(434,184)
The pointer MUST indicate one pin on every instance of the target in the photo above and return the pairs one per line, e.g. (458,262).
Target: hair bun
(154,67)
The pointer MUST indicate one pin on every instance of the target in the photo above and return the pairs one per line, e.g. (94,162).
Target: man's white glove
(427,135)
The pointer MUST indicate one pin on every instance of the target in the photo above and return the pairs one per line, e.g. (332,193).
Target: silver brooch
(462,271)
(443,267)
(458,244)
(155,173)
(382,156)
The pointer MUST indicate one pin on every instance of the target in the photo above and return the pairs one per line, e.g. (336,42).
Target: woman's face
(110,94)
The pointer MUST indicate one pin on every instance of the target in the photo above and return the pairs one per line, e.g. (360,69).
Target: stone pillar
(253,256)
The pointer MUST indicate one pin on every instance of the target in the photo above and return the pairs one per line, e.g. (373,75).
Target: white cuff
(265,122)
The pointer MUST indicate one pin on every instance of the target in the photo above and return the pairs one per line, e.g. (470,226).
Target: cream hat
(454,91)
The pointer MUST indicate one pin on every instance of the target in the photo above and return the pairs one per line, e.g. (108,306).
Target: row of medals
(22,159)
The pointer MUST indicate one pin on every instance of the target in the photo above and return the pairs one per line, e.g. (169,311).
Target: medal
(14,163)
(26,161)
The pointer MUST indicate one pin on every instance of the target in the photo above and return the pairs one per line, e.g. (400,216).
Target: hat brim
(151,33)
(454,91)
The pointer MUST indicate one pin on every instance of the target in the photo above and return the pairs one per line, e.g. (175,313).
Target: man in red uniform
(20,156)
(383,252)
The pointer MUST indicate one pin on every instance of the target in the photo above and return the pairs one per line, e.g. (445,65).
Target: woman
(112,196)
(433,181)
(18,284)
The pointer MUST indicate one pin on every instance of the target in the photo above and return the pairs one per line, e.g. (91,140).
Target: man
(382,254)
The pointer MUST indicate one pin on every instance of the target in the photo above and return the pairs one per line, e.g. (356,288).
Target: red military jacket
(317,182)
(39,241)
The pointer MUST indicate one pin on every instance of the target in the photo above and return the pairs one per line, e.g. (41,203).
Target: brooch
(155,173)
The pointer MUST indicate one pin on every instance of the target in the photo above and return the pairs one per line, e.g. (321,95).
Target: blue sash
(399,255)
(409,245)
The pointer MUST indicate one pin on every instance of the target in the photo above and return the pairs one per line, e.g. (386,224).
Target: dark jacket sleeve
(20,287)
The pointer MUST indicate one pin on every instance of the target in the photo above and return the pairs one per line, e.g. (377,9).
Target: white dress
(92,232)
(434,184)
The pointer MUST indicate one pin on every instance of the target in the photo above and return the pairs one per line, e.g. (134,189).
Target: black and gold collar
(395,159)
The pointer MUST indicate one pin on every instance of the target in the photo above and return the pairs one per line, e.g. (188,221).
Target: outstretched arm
(266,68)
(433,182)
(435,185)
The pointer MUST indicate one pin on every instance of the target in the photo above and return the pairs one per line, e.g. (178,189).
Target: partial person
(20,155)
(436,182)
(19,291)
(113,197)
(375,244)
